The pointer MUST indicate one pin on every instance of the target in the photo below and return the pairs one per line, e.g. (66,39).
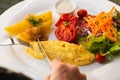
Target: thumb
(83,76)
(48,77)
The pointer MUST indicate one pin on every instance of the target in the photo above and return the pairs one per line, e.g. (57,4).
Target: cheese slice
(67,52)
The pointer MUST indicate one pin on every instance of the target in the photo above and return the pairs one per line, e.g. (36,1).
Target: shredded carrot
(102,23)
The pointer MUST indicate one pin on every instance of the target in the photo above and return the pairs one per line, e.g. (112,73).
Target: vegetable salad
(98,33)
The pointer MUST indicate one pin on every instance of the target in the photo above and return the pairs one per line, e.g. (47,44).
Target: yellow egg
(67,52)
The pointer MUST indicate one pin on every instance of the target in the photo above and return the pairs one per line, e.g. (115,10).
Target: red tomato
(68,18)
(66,28)
(100,58)
(68,33)
(82,13)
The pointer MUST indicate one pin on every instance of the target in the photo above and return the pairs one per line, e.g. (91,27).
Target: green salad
(101,33)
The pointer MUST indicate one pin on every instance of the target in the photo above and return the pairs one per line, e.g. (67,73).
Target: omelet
(65,51)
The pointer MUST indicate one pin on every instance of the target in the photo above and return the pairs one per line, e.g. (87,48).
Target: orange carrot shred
(102,23)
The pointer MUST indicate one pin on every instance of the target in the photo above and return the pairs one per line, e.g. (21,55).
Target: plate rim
(25,2)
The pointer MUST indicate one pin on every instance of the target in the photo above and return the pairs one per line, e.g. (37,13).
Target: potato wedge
(67,52)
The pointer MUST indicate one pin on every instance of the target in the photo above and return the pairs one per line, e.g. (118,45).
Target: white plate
(38,69)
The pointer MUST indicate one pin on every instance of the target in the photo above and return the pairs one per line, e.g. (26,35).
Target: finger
(59,72)
(83,76)
(48,77)
(75,69)
(55,63)
(58,67)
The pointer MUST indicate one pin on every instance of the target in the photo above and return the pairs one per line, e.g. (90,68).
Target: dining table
(4,60)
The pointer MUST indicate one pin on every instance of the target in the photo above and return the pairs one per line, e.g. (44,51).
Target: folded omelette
(65,51)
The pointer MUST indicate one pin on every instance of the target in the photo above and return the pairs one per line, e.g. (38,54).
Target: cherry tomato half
(100,58)
(82,13)
(66,28)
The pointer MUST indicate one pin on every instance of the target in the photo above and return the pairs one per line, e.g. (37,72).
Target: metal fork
(14,41)
(43,52)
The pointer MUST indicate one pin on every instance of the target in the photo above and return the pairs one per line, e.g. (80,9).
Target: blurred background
(5,4)
(116,1)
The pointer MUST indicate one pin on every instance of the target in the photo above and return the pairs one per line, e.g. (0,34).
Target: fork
(14,41)
(41,49)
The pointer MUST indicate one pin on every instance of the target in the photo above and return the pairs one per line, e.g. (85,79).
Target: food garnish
(34,21)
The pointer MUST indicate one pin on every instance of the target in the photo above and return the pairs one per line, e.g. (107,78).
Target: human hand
(62,71)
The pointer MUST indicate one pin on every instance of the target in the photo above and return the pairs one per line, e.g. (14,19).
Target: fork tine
(24,43)
(43,51)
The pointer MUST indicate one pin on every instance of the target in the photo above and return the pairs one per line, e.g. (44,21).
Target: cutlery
(13,41)
(41,48)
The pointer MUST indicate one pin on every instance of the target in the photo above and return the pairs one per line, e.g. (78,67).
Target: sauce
(65,6)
